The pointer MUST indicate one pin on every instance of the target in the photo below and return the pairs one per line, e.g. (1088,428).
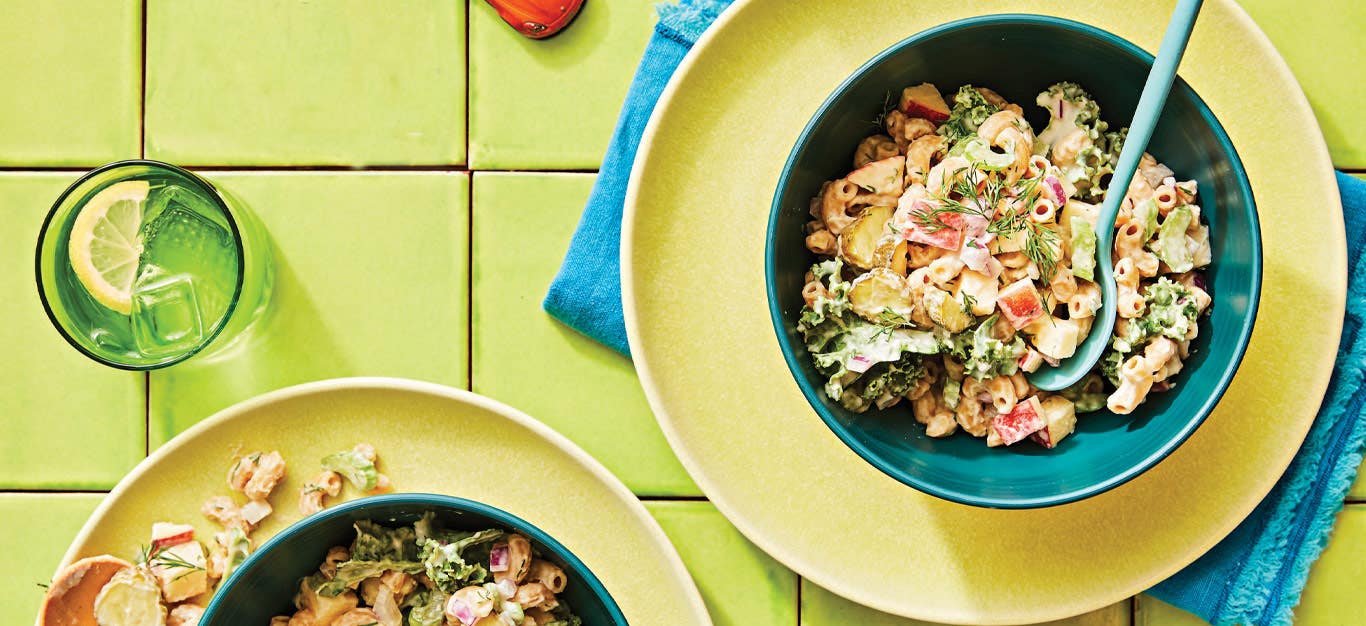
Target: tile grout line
(57,492)
(142,90)
(469,282)
(469,219)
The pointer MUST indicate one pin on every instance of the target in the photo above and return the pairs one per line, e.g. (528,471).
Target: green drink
(142,265)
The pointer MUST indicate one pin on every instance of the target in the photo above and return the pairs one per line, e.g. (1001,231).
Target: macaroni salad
(960,253)
(422,575)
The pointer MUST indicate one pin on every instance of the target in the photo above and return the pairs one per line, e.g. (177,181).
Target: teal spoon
(1150,104)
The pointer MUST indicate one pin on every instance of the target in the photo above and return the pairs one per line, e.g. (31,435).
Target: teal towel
(586,293)
(1254,576)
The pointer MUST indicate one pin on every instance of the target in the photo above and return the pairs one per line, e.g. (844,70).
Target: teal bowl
(1019,56)
(264,585)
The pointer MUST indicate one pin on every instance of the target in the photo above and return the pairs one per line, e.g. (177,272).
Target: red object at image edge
(537,19)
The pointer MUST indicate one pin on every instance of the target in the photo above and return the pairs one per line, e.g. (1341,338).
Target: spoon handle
(1150,105)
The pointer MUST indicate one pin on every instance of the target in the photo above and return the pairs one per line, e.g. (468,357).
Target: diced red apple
(181,571)
(1021,422)
(1020,303)
(946,233)
(1030,361)
(165,535)
(1060,418)
(924,100)
(885,177)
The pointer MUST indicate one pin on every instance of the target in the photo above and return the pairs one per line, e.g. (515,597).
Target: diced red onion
(974,226)
(498,558)
(860,363)
(1058,196)
(994,267)
(507,588)
(1198,279)
(976,254)
(460,610)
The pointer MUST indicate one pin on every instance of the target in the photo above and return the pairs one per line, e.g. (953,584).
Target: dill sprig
(889,317)
(162,557)
(888,321)
(964,198)
(146,554)
(886,108)
(963,187)
(969,303)
(1041,246)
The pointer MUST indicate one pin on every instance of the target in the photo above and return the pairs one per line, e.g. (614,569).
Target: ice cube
(166,317)
(159,198)
(183,241)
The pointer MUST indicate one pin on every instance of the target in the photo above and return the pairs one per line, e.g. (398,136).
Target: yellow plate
(430,438)
(693,281)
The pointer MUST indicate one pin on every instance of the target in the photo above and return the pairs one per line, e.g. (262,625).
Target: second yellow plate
(430,438)
(694,295)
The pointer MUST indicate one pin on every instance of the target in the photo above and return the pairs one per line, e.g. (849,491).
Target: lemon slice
(131,598)
(105,243)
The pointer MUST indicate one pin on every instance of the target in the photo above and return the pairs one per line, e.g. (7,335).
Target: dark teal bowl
(1019,56)
(265,584)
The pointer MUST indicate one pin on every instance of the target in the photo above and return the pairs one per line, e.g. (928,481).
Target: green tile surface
(271,82)
(522,225)
(371,280)
(1333,595)
(67,422)
(741,585)
(1322,41)
(822,608)
(72,74)
(37,529)
(379,273)
(552,104)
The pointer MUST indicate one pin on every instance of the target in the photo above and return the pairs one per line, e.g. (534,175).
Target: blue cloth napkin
(586,293)
(1254,576)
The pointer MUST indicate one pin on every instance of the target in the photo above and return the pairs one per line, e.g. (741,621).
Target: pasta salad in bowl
(933,239)
(413,559)
(959,253)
